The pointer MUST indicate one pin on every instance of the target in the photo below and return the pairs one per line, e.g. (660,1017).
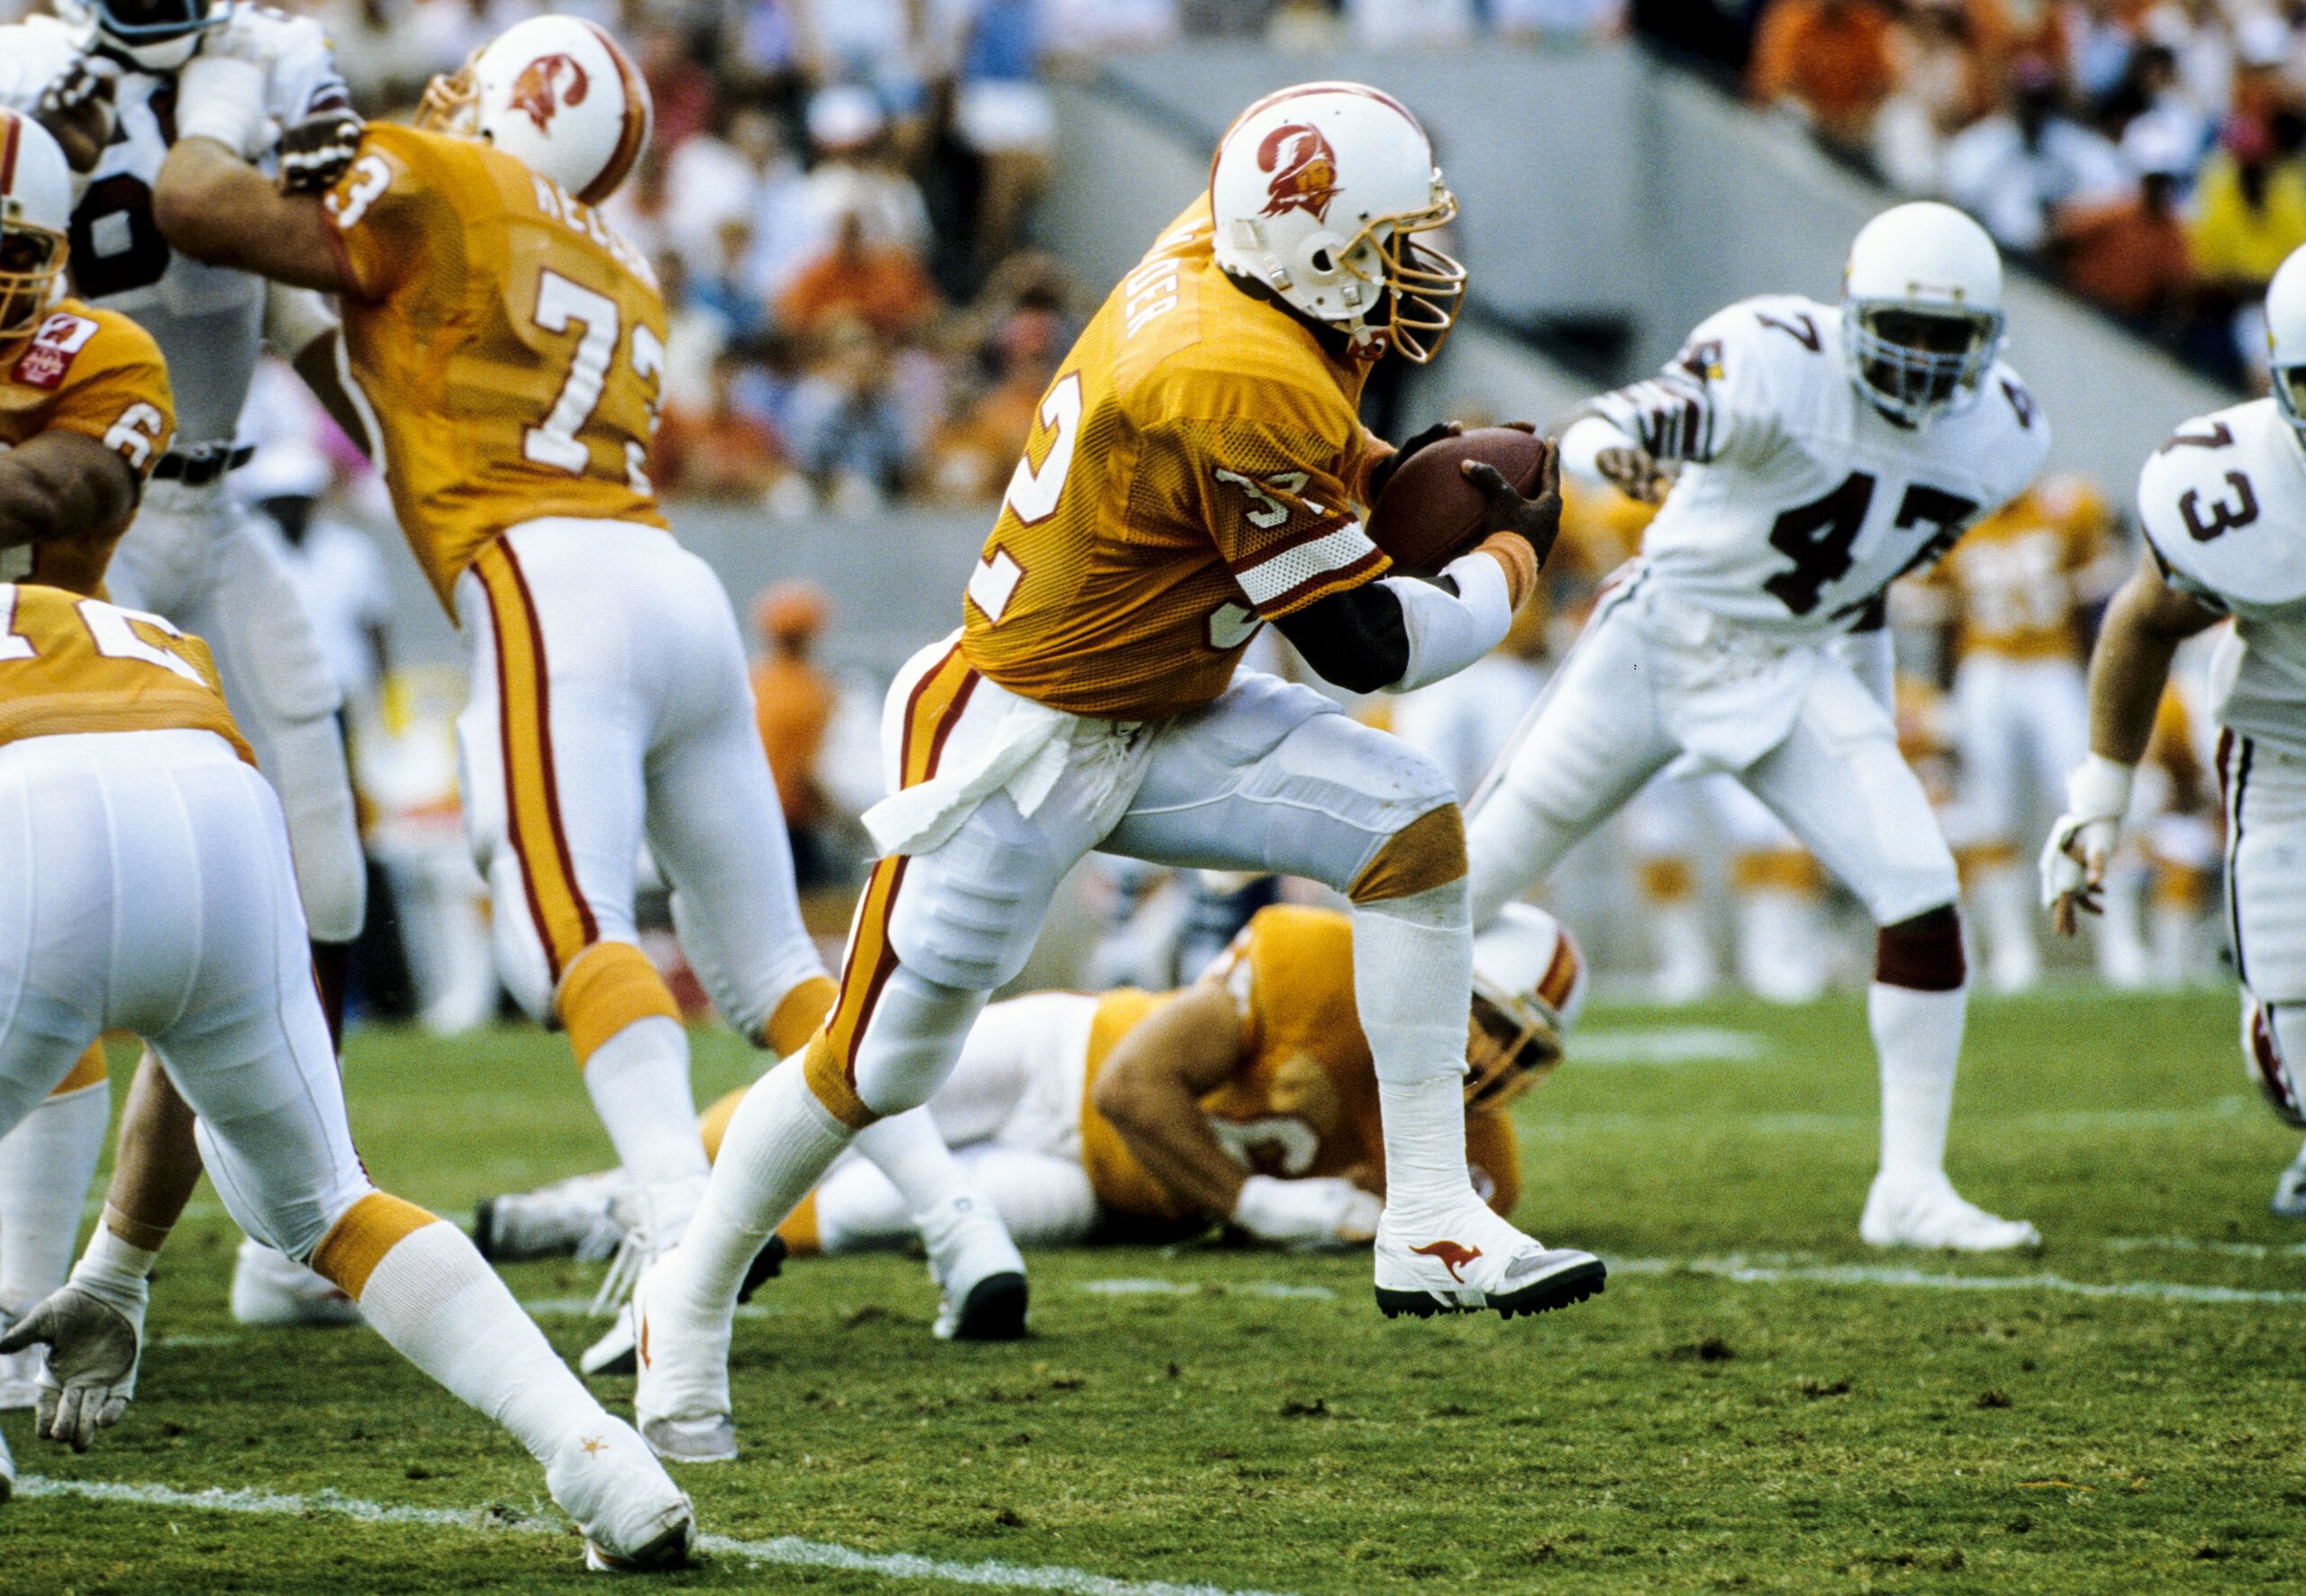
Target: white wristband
(1582,446)
(1447,632)
(115,1272)
(2099,789)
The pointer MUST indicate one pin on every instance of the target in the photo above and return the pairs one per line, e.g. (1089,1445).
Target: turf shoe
(570,1219)
(2289,1196)
(1472,1260)
(271,1289)
(634,1516)
(1931,1214)
(680,1394)
(979,1273)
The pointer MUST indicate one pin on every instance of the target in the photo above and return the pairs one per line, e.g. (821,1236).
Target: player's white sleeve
(1449,631)
(305,78)
(1704,403)
(33,55)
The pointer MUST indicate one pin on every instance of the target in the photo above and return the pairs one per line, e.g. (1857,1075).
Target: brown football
(1428,511)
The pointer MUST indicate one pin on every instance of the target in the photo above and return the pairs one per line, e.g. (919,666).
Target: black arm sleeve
(1355,639)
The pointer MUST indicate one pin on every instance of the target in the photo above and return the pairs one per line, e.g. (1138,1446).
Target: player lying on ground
(105,77)
(1248,1097)
(1193,476)
(1807,455)
(2220,505)
(509,346)
(146,885)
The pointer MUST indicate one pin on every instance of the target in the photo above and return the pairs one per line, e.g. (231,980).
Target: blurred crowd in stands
(2148,154)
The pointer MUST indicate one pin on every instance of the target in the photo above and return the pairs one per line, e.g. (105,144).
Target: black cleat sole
(1565,1290)
(767,1265)
(483,1230)
(994,1310)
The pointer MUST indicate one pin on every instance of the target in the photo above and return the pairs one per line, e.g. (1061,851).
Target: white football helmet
(35,213)
(157,35)
(1922,311)
(2286,341)
(1318,193)
(556,92)
(1529,986)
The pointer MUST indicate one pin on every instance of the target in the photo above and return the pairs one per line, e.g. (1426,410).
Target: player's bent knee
(1429,852)
(2274,1035)
(608,987)
(361,1237)
(1923,953)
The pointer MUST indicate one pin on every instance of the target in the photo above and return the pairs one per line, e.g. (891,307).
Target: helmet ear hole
(1323,261)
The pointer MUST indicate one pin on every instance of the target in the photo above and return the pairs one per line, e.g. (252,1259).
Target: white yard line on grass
(2189,1243)
(582,1308)
(1750,1272)
(1144,1287)
(1682,1044)
(786,1550)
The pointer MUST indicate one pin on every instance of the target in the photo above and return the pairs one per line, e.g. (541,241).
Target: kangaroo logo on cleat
(1454,1258)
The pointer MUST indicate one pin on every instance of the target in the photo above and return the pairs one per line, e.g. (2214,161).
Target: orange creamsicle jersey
(71,663)
(507,345)
(1194,471)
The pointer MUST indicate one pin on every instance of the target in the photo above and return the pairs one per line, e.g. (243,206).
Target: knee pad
(1427,853)
(2273,1035)
(1923,953)
(967,916)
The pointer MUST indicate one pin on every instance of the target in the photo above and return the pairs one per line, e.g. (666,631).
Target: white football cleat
(19,1371)
(680,1396)
(2289,1195)
(1931,1214)
(649,1223)
(1475,1260)
(270,1288)
(570,1219)
(979,1273)
(634,1516)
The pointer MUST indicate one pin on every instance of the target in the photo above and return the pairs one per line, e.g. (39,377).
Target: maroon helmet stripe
(634,136)
(8,147)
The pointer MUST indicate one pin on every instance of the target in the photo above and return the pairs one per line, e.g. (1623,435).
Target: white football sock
(779,1145)
(909,1149)
(1045,1202)
(47,1165)
(446,1311)
(858,1209)
(639,1083)
(1412,984)
(1918,1036)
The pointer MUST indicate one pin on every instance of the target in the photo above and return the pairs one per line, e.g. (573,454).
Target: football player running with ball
(2221,504)
(505,345)
(108,76)
(1822,452)
(1192,477)
(146,885)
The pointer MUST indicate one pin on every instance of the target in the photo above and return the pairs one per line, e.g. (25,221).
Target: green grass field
(1756,1403)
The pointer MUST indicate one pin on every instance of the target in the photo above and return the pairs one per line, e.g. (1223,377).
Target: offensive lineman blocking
(1823,451)
(1193,477)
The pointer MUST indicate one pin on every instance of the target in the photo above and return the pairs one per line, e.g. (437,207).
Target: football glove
(93,1347)
(78,108)
(318,151)
(1307,1213)
(2073,859)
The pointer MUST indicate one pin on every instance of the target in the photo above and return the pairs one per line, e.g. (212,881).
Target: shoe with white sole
(680,1394)
(2289,1192)
(570,1219)
(1931,1214)
(979,1273)
(269,1288)
(634,1516)
(651,1222)
(1471,1260)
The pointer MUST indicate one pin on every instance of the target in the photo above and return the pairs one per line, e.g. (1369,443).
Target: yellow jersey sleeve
(398,217)
(114,385)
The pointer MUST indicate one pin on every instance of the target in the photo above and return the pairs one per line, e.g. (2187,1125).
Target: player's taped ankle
(1427,853)
(1923,953)
(88,1071)
(357,1242)
(828,1083)
(609,986)
(799,1015)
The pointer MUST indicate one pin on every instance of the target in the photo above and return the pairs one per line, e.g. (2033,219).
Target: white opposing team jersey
(208,321)
(2223,505)
(1798,501)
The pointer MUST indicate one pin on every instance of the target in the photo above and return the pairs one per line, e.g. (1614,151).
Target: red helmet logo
(547,84)
(1304,169)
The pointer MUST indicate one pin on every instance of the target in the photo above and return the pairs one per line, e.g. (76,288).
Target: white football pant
(2265,902)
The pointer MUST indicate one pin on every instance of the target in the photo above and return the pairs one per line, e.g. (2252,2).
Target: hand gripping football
(1428,513)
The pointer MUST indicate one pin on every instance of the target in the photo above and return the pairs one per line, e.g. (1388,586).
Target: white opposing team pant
(609,703)
(1011,1111)
(2265,789)
(195,557)
(2022,725)
(1267,777)
(146,885)
(1605,726)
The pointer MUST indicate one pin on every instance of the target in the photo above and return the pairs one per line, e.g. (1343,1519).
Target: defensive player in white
(109,73)
(2222,505)
(1822,451)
